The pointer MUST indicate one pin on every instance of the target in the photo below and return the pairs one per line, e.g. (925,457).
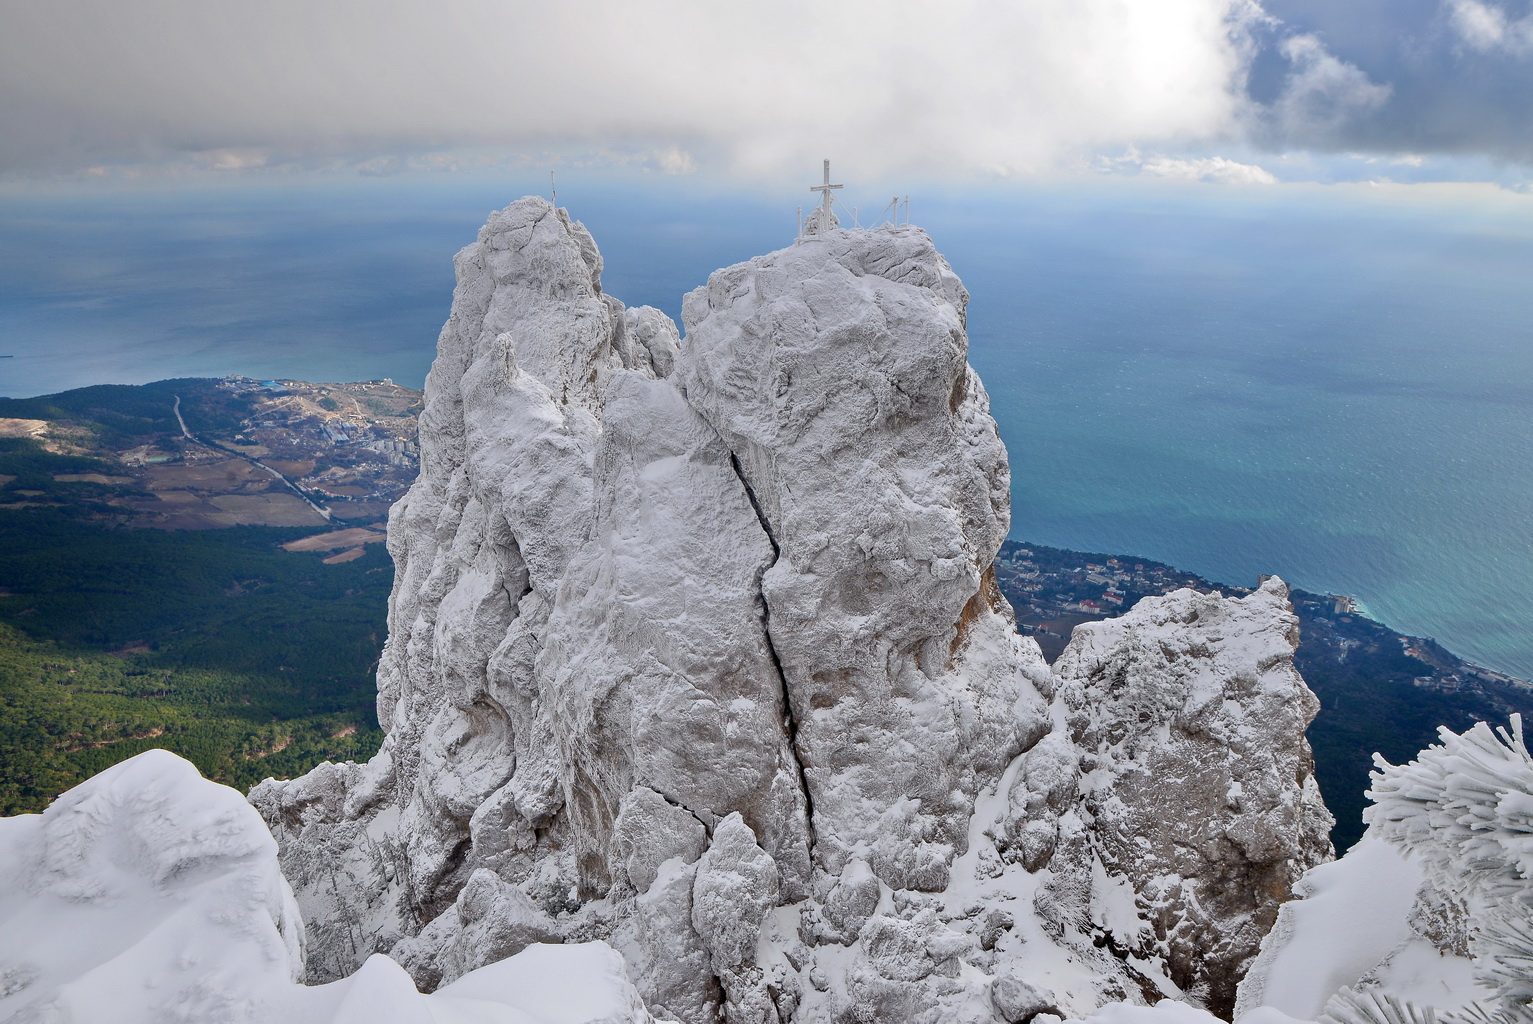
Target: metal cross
(825,197)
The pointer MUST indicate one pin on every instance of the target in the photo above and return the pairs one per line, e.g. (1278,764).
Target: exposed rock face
(1188,716)
(694,647)
(837,375)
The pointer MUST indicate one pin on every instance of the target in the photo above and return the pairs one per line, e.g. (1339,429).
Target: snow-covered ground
(149,895)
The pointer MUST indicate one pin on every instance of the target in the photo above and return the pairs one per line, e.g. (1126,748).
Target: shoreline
(1380,690)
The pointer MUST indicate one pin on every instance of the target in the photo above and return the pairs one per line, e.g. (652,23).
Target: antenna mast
(553,186)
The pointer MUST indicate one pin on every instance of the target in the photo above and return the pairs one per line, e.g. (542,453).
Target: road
(215,446)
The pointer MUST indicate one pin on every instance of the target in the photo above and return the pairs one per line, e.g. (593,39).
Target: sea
(1329,383)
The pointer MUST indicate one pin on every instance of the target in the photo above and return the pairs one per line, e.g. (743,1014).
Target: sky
(1305,223)
(1225,91)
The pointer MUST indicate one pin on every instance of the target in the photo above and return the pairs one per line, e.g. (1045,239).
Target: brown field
(188,510)
(275,509)
(345,490)
(222,475)
(344,556)
(91,478)
(290,467)
(178,497)
(12,427)
(352,538)
(351,510)
(5,479)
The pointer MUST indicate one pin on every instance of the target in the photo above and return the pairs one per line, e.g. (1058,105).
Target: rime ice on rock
(695,647)
(1188,717)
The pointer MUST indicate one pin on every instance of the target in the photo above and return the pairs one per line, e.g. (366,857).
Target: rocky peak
(695,648)
(1173,709)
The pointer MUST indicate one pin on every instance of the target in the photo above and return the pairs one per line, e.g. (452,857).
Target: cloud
(240,158)
(382,167)
(1435,78)
(1213,169)
(1324,97)
(676,161)
(1216,169)
(1484,27)
(977,86)
(994,88)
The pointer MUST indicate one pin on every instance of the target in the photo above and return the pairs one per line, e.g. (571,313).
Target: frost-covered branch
(1372,1006)
(1465,807)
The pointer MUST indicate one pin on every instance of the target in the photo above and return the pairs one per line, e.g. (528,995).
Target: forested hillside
(245,658)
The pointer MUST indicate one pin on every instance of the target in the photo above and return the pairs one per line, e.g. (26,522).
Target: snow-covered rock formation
(1174,708)
(148,895)
(695,648)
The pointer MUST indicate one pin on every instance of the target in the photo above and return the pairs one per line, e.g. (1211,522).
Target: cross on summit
(824,218)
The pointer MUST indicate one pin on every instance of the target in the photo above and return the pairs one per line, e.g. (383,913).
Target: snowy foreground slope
(702,704)
(149,895)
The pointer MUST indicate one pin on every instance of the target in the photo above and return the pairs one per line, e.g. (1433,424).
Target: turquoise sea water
(1337,394)
(1332,385)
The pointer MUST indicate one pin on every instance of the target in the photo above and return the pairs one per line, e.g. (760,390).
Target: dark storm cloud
(1449,77)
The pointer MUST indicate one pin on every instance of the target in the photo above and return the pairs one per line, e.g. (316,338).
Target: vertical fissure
(790,721)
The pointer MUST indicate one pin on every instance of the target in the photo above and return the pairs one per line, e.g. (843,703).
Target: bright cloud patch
(968,86)
(1216,169)
(1485,27)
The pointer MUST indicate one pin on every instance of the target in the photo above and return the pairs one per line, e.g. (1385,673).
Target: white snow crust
(148,895)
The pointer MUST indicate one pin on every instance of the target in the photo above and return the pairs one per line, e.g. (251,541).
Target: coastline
(1380,689)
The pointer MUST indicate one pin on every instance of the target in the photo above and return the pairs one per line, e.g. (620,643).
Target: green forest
(120,413)
(248,660)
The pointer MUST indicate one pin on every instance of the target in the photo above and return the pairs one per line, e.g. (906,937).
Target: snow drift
(148,895)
